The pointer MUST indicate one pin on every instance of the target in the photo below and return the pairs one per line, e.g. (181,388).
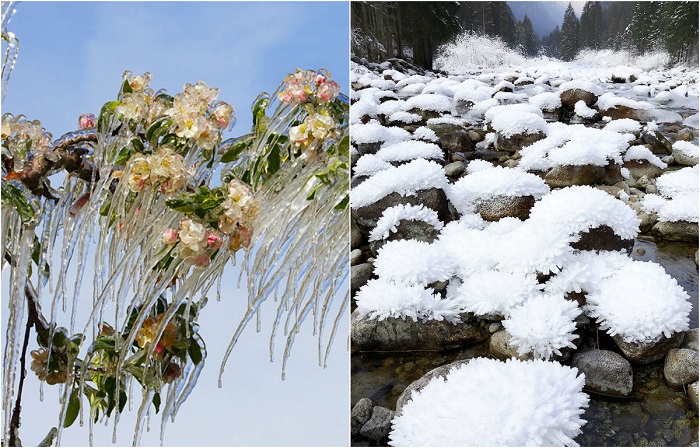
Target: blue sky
(72,56)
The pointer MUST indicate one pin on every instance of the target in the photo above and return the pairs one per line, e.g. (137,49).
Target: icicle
(143,409)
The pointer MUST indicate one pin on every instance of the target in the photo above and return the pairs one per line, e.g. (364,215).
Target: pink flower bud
(170,237)
(320,79)
(87,121)
(214,241)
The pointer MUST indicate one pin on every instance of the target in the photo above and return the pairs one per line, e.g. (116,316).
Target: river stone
(421,382)
(693,396)
(681,367)
(619,112)
(570,97)
(393,334)
(657,143)
(456,141)
(443,128)
(355,235)
(361,413)
(500,347)
(408,230)
(368,148)
(360,275)
(645,353)
(454,169)
(676,231)
(433,198)
(499,207)
(516,142)
(476,135)
(648,221)
(425,115)
(639,168)
(379,425)
(568,175)
(613,174)
(355,257)
(607,372)
(690,340)
(684,160)
(603,238)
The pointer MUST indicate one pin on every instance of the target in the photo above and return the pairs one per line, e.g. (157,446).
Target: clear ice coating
(10,58)
(99,247)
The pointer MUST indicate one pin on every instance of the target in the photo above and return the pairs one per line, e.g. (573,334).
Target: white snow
(581,84)
(678,199)
(623,125)
(639,152)
(546,101)
(543,325)
(429,101)
(516,119)
(581,208)
(425,133)
(374,132)
(404,117)
(379,299)
(413,262)
(492,403)
(409,150)
(584,111)
(493,292)
(641,303)
(610,100)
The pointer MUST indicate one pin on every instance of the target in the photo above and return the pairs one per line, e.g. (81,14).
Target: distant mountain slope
(545,16)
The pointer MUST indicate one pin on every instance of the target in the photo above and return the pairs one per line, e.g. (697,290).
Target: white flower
(192,235)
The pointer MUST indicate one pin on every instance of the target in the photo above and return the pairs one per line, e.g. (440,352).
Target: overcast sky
(72,56)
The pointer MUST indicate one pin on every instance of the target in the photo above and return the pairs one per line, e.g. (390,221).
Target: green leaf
(123,156)
(13,194)
(156,401)
(233,153)
(311,195)
(195,351)
(343,204)
(105,114)
(73,408)
(126,88)
(158,129)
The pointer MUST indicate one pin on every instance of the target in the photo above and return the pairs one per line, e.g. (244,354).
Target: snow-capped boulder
(570,175)
(648,352)
(606,372)
(685,153)
(578,90)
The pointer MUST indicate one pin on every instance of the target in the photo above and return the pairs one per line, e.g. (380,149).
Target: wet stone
(379,425)
(606,372)
(393,334)
(645,353)
(690,340)
(500,207)
(457,141)
(361,413)
(676,231)
(681,367)
(568,175)
(500,347)
(360,275)
(516,142)
(693,396)
(455,169)
(355,256)
(603,238)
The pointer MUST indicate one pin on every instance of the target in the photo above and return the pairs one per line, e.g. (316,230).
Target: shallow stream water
(653,415)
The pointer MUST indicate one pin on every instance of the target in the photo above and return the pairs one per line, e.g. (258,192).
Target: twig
(34,319)
(48,440)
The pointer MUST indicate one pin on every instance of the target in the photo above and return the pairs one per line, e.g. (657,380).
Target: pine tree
(550,43)
(569,44)
(647,25)
(681,30)
(529,38)
(591,29)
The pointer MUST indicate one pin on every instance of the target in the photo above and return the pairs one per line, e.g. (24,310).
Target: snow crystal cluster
(492,403)
(392,216)
(678,199)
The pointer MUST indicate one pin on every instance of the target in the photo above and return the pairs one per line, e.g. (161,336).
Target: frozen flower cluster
(240,209)
(165,169)
(22,139)
(314,90)
(193,242)
(194,113)
(40,366)
(308,85)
